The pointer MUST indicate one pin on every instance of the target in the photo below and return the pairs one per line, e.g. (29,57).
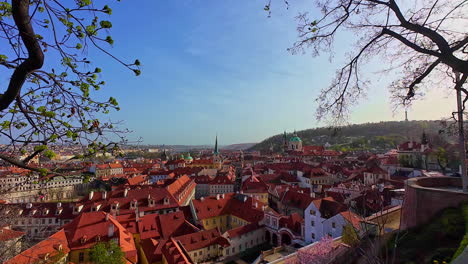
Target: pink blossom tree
(318,253)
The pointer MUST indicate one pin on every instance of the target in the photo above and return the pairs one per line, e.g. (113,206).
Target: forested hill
(370,136)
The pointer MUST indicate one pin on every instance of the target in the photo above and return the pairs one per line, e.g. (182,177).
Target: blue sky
(222,67)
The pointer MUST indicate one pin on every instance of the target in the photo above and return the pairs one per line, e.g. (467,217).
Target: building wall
(75,256)
(202,190)
(321,226)
(220,222)
(245,241)
(206,253)
(262,197)
(423,200)
(220,188)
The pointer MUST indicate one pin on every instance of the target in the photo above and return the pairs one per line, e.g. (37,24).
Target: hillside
(369,136)
(240,146)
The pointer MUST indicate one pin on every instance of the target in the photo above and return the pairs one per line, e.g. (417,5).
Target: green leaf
(109,40)
(49,154)
(107,10)
(105,24)
(78,46)
(40,148)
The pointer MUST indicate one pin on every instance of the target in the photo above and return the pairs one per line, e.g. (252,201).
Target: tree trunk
(461,133)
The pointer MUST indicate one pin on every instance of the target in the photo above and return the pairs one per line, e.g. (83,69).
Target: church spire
(216,152)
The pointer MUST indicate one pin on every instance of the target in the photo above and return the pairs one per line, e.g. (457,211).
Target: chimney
(110,230)
(107,217)
(126,192)
(312,194)
(222,195)
(217,197)
(91,194)
(202,198)
(28,205)
(104,195)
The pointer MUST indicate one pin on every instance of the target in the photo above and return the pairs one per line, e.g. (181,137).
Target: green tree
(46,105)
(107,253)
(442,158)
(350,236)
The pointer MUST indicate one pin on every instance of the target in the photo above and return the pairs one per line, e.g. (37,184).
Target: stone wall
(426,196)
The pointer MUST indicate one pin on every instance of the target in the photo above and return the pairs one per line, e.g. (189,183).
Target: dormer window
(58,211)
(133,204)
(166,200)
(150,201)
(115,206)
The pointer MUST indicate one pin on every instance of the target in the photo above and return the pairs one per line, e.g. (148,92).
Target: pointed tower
(164,154)
(216,152)
(216,157)
(285,142)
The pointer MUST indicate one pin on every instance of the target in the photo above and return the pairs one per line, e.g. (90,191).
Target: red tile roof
(90,228)
(50,247)
(238,205)
(352,218)
(8,234)
(296,199)
(202,239)
(174,253)
(236,232)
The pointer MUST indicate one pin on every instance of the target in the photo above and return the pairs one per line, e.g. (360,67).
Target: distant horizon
(271,135)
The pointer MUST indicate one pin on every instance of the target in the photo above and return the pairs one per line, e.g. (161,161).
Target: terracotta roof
(238,205)
(50,247)
(296,199)
(174,254)
(165,225)
(352,218)
(328,207)
(254,185)
(90,228)
(236,232)
(8,234)
(202,239)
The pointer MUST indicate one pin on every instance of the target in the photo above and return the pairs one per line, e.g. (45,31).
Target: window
(313,235)
(330,234)
(81,257)
(333,225)
(50,220)
(312,212)
(195,254)
(312,223)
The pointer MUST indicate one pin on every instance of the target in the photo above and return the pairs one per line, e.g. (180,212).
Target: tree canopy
(53,103)
(107,253)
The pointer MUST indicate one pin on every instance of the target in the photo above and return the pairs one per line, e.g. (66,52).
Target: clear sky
(221,66)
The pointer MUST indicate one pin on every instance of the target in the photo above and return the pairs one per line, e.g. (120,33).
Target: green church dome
(295,139)
(188,157)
